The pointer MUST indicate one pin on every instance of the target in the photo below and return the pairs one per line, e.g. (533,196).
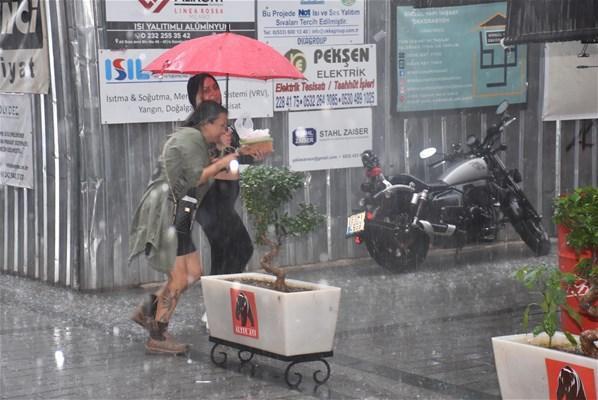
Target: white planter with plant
(268,312)
(528,369)
(287,324)
(546,363)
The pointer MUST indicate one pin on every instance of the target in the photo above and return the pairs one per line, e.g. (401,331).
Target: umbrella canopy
(225,54)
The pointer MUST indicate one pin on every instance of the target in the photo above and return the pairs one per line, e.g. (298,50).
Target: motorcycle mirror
(502,107)
(427,153)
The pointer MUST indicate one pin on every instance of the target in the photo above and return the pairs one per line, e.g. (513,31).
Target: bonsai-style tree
(266,192)
(578,212)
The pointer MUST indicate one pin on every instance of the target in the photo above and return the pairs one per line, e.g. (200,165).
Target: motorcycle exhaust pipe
(437,229)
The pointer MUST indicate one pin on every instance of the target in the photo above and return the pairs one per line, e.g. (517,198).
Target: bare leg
(169,294)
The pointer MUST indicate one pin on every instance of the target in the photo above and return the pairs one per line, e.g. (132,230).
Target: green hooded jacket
(183,158)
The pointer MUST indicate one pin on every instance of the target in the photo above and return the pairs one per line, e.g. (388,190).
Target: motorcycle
(400,216)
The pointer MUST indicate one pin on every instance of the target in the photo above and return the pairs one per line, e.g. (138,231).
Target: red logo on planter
(245,322)
(569,381)
(154,6)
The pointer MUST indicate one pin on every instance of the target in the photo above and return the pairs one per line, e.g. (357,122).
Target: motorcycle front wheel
(397,255)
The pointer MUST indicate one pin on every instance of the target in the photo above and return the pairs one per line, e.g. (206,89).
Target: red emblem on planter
(154,6)
(569,381)
(245,322)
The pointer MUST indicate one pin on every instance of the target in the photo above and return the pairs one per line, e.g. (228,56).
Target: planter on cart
(295,326)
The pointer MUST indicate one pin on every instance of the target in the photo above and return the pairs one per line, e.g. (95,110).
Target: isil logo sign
(245,321)
(568,381)
(21,25)
(154,6)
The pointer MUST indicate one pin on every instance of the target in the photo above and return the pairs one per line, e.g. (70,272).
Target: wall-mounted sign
(341,76)
(24,64)
(16,141)
(144,24)
(453,57)
(291,23)
(329,139)
(128,94)
(576,96)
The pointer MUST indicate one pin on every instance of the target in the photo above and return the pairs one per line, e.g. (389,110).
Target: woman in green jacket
(184,170)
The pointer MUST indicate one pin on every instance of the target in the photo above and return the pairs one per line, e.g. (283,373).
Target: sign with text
(575,97)
(569,381)
(128,94)
(329,139)
(452,57)
(290,23)
(244,313)
(24,66)
(135,24)
(16,141)
(341,76)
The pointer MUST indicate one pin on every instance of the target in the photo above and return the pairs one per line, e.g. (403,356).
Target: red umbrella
(225,54)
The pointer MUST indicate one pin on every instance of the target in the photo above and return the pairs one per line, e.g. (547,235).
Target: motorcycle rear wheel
(390,254)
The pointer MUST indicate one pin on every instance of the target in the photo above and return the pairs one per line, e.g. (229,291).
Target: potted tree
(576,216)
(267,312)
(546,363)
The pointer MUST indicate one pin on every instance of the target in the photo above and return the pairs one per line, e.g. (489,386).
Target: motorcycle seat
(406,179)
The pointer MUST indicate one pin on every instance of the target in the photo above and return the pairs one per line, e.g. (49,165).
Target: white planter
(528,371)
(287,324)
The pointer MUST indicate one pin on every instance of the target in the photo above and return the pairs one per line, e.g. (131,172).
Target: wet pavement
(420,334)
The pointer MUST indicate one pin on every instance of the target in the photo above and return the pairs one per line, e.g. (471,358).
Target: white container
(287,324)
(529,371)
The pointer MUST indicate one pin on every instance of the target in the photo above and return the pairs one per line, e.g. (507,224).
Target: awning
(551,21)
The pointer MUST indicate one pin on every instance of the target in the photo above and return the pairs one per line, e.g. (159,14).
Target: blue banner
(453,57)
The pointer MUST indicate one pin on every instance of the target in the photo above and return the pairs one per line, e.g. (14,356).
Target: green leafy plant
(552,285)
(266,192)
(578,212)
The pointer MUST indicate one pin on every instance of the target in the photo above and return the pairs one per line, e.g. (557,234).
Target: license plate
(355,223)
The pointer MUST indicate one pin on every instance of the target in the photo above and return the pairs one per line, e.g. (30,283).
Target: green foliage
(579,212)
(265,192)
(552,285)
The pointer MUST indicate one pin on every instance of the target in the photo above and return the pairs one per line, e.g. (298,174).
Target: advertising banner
(16,141)
(285,24)
(341,76)
(24,66)
(145,24)
(576,96)
(329,139)
(128,94)
(453,57)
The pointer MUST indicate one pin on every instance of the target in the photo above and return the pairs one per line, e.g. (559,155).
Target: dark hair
(195,85)
(206,112)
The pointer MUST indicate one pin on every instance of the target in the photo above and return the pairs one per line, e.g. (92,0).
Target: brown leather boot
(146,312)
(159,343)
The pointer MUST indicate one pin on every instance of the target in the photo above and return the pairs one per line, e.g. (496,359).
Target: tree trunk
(266,263)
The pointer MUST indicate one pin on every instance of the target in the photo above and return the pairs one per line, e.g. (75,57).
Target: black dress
(230,243)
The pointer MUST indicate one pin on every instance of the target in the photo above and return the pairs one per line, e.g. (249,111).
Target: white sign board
(341,76)
(16,141)
(329,139)
(180,10)
(24,64)
(570,92)
(128,94)
(291,23)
